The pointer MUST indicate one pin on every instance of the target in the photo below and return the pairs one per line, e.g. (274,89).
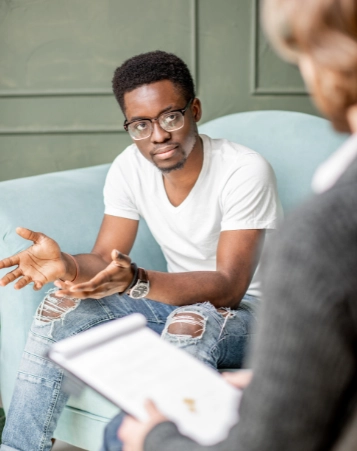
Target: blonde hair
(326,32)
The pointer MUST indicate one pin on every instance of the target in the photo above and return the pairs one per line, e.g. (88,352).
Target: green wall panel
(37,154)
(270,74)
(57,58)
(75,44)
(38,114)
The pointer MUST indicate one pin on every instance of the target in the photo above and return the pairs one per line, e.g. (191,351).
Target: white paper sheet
(128,363)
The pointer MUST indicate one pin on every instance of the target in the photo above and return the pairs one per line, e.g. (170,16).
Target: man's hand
(239,379)
(133,432)
(116,277)
(41,263)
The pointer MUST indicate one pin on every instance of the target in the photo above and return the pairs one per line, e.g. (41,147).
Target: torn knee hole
(53,308)
(187,323)
(225,313)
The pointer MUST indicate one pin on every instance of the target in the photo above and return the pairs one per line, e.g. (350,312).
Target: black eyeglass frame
(181,110)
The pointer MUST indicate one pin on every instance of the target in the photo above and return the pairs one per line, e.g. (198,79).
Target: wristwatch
(141,286)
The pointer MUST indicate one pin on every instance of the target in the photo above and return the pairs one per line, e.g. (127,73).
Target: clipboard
(127,363)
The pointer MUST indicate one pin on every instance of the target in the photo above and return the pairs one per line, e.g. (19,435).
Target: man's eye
(140,126)
(172,117)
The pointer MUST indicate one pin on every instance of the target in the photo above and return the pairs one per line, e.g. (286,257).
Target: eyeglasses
(170,121)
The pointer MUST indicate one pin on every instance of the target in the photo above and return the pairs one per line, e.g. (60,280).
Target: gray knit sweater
(305,353)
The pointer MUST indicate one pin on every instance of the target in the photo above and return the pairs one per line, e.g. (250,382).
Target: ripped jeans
(218,338)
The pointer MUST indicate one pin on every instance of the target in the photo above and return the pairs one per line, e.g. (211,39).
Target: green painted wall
(57,58)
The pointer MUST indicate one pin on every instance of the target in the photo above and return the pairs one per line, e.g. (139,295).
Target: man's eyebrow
(140,118)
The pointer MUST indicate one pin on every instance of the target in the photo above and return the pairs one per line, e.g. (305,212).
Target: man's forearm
(198,286)
(84,267)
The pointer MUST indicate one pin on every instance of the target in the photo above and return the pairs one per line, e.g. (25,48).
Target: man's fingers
(9,261)
(10,277)
(28,234)
(62,284)
(93,284)
(22,282)
(37,286)
(120,259)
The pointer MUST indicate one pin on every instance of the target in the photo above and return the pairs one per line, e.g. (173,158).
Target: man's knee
(191,322)
(187,323)
(54,308)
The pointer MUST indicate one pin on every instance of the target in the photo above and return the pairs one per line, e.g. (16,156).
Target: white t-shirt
(236,189)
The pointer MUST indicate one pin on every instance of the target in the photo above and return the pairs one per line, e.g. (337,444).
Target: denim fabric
(225,335)
(38,399)
(110,439)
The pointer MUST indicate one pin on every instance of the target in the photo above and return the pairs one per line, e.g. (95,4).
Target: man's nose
(159,135)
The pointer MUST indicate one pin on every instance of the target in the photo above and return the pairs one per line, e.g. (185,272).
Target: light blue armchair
(68,207)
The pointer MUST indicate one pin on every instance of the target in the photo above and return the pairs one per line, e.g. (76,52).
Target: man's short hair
(149,68)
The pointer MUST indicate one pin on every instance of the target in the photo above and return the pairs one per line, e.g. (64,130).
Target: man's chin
(175,167)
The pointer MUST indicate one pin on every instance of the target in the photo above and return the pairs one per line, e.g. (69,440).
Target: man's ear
(196,109)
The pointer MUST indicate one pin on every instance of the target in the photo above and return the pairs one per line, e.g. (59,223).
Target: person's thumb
(28,234)
(120,259)
(153,412)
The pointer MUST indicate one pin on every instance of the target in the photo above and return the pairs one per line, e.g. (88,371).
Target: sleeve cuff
(235,225)
(122,213)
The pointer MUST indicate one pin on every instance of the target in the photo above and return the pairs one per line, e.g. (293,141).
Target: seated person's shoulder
(234,156)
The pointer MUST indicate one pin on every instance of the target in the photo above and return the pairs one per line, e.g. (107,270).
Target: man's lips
(165,152)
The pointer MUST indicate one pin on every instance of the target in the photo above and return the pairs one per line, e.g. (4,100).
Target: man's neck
(178,183)
(191,170)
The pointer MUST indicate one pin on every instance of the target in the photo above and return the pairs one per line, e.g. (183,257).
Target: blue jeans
(38,398)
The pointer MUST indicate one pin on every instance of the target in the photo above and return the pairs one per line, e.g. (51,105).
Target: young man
(207,203)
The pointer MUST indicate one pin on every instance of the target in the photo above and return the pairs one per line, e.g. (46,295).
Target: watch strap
(142,275)
(134,280)
(142,284)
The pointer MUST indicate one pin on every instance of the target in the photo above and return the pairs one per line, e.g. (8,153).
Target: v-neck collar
(197,186)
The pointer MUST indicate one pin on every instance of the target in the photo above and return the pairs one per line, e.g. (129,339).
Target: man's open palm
(41,263)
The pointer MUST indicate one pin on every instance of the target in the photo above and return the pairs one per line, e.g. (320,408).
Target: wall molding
(255,89)
(91,92)
(55,93)
(61,131)
(194,44)
(4,93)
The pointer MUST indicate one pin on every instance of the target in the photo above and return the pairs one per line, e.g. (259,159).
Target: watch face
(140,290)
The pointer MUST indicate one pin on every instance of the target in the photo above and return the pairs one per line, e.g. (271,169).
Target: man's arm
(43,262)
(237,256)
(115,233)
(236,261)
